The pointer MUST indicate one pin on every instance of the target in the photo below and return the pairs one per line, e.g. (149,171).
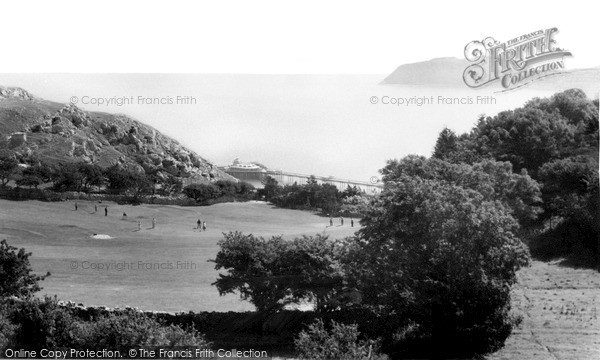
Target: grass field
(161,269)
(559,305)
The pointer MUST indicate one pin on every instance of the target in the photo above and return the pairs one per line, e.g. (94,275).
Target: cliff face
(31,128)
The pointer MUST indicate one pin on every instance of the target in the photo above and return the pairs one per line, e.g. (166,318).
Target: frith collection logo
(516,62)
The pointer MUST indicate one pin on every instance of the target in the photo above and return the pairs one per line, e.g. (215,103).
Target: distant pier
(257,178)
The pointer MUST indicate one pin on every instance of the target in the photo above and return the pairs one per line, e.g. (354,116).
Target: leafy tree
(527,137)
(202,192)
(8,167)
(123,181)
(16,278)
(355,205)
(245,188)
(272,273)
(442,256)
(568,183)
(576,108)
(29,180)
(493,179)
(92,175)
(68,177)
(228,187)
(271,188)
(250,264)
(327,198)
(315,264)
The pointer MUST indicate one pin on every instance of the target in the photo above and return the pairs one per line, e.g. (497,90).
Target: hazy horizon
(314,124)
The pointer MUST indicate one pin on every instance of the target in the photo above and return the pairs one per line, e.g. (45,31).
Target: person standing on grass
(198,224)
(341,221)
(204,226)
(75,206)
(330,221)
(153,223)
(106,211)
(351,222)
(95,208)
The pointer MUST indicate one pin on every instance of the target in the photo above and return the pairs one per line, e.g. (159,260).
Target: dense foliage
(45,324)
(314,196)
(272,273)
(204,193)
(556,141)
(442,256)
(340,343)
(16,277)
(134,186)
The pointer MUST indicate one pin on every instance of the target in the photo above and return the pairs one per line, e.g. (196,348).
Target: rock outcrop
(32,128)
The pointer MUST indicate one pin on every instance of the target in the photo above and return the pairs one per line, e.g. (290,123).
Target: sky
(273,37)
(280,82)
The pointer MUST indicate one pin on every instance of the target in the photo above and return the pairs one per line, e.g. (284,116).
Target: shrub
(131,329)
(202,192)
(341,343)
(16,278)
(444,257)
(45,324)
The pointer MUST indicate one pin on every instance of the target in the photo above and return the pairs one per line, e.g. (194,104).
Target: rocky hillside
(34,129)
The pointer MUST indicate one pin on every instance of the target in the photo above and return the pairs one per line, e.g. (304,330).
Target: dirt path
(560,308)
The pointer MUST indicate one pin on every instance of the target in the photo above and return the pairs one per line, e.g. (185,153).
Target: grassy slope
(560,305)
(58,236)
(560,308)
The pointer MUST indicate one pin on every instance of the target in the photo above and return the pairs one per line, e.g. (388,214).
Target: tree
(68,177)
(250,264)
(245,188)
(92,175)
(202,192)
(327,198)
(351,191)
(29,180)
(271,188)
(446,144)
(16,278)
(228,187)
(8,167)
(272,273)
(567,185)
(442,256)
(528,137)
(123,181)
(493,179)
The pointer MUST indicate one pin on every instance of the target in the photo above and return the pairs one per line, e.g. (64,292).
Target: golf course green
(114,262)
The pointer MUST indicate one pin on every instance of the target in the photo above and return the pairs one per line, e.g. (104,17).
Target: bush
(443,257)
(202,192)
(133,329)
(16,278)
(341,343)
(45,324)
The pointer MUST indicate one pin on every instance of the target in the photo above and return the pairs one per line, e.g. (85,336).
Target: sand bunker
(101,236)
